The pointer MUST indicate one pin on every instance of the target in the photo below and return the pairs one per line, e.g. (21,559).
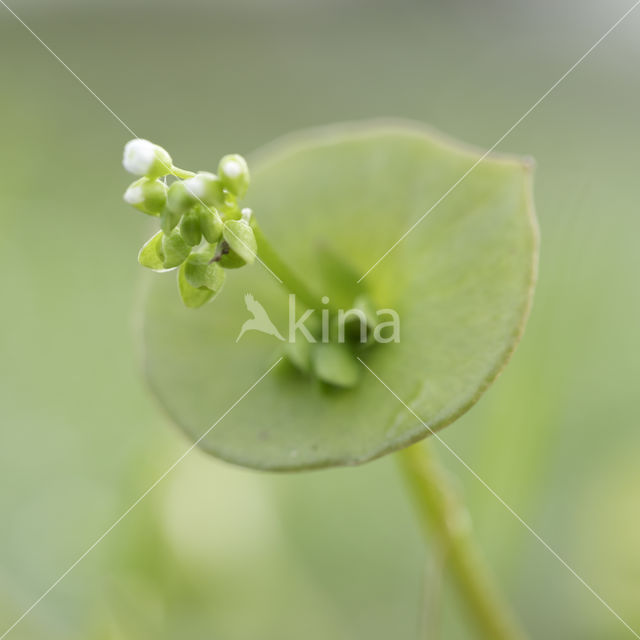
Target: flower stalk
(445,522)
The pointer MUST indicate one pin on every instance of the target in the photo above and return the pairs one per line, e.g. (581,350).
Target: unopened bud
(211,225)
(234,174)
(143,158)
(241,240)
(148,196)
(169,219)
(190,228)
(206,188)
(179,199)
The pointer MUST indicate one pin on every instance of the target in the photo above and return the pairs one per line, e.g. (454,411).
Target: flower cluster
(203,230)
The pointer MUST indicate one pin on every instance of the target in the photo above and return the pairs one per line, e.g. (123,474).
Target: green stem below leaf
(445,520)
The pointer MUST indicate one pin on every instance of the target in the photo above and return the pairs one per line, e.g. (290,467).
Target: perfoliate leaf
(461,282)
(298,353)
(337,275)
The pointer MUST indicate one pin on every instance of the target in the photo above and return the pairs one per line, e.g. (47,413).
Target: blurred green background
(222,552)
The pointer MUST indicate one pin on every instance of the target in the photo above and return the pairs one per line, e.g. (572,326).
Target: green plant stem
(181,173)
(445,520)
(290,280)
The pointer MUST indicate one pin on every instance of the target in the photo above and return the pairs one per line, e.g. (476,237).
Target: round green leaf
(461,282)
(334,364)
(298,353)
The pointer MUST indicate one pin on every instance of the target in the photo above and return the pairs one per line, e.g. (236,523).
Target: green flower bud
(230,259)
(201,272)
(365,304)
(180,199)
(190,228)
(334,364)
(175,249)
(298,353)
(211,225)
(206,188)
(143,158)
(192,297)
(168,220)
(148,196)
(234,174)
(241,240)
(359,326)
(151,255)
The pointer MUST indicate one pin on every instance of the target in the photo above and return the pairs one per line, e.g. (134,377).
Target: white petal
(196,186)
(232,168)
(138,156)
(134,195)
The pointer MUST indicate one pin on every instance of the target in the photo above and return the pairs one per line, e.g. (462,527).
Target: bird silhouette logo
(260,321)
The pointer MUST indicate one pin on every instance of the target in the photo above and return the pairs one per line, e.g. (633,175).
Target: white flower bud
(143,158)
(234,174)
(149,196)
(197,186)
(232,169)
(134,195)
(206,188)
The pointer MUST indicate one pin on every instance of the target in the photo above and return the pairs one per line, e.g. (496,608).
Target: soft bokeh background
(221,552)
